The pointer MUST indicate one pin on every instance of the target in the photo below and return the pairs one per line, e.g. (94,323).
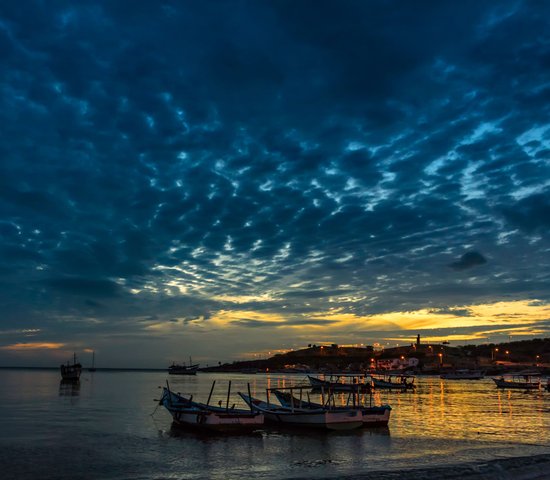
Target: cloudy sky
(225,179)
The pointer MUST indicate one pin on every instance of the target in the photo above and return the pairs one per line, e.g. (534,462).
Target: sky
(230,179)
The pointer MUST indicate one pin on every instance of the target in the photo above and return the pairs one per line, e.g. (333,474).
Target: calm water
(105,430)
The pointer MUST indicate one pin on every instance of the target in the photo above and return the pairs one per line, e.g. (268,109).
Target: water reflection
(189,432)
(69,388)
(113,416)
(439,409)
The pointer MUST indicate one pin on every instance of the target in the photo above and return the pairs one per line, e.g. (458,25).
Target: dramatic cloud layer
(226,177)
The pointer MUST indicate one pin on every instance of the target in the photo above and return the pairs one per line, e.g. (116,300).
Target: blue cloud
(158,156)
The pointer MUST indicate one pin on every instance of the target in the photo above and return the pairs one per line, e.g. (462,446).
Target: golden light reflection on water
(442,423)
(461,409)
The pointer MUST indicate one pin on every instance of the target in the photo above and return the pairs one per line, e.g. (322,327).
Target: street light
(440,355)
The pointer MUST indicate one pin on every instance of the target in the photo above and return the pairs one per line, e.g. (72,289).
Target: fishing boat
(183,369)
(186,412)
(70,372)
(250,371)
(393,382)
(341,383)
(372,416)
(92,368)
(463,375)
(519,381)
(322,418)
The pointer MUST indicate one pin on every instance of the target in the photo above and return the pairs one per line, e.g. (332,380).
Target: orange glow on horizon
(34,346)
(489,318)
(514,319)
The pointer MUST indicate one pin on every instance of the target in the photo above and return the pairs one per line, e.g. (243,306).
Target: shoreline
(536,467)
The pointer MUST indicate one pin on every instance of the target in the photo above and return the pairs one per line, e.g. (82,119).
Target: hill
(419,357)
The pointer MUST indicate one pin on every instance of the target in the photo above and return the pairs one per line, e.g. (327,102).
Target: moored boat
(70,372)
(372,416)
(183,369)
(521,382)
(463,375)
(393,382)
(322,418)
(186,412)
(341,383)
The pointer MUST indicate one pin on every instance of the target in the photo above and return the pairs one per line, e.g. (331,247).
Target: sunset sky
(226,179)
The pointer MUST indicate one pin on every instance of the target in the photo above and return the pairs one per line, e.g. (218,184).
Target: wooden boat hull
(70,377)
(192,414)
(500,383)
(381,384)
(323,420)
(182,371)
(393,382)
(219,422)
(376,416)
(319,418)
(71,372)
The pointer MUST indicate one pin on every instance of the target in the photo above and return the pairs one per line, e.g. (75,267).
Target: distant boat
(373,416)
(182,369)
(322,418)
(92,368)
(186,412)
(341,383)
(522,382)
(250,370)
(71,371)
(393,382)
(463,375)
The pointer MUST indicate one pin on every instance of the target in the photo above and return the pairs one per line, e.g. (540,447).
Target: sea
(110,426)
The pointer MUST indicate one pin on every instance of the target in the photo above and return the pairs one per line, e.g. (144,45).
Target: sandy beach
(522,468)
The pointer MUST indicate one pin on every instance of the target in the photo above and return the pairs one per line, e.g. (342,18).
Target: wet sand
(522,468)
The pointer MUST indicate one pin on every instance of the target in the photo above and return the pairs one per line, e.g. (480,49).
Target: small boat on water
(341,383)
(323,418)
(183,369)
(372,416)
(249,371)
(463,375)
(393,382)
(519,381)
(70,372)
(186,412)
